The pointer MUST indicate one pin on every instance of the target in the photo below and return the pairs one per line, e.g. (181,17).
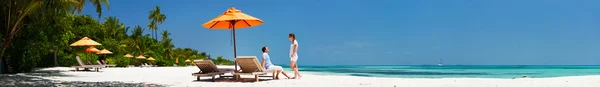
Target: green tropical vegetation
(36,33)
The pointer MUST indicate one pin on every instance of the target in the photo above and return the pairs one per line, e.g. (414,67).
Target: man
(266,62)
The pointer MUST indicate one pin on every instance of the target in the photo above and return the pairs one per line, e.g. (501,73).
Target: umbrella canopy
(232,19)
(92,49)
(128,56)
(141,57)
(85,41)
(151,59)
(188,60)
(104,51)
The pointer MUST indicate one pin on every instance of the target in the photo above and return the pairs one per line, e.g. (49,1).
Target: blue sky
(388,32)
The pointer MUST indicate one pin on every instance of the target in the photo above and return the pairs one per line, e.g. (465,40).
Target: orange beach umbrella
(232,19)
(92,49)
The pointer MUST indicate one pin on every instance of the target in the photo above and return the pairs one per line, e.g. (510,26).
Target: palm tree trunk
(4,65)
(1,65)
(13,30)
(153,34)
(55,53)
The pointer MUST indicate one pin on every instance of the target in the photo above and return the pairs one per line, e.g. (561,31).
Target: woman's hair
(292,35)
(264,48)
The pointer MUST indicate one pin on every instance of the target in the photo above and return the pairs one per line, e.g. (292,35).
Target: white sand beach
(181,77)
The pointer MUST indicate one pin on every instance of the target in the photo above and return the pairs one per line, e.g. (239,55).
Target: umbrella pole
(234,47)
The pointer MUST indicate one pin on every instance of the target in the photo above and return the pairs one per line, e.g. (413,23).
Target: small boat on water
(441,64)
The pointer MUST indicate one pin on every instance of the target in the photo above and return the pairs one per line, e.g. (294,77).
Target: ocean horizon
(452,71)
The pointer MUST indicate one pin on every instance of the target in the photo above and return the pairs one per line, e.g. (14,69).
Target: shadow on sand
(248,80)
(33,79)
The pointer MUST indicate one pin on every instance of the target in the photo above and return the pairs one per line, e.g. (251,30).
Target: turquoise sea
(454,71)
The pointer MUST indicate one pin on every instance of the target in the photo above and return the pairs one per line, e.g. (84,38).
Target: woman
(294,56)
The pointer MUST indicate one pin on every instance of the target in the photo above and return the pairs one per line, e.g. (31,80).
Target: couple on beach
(266,60)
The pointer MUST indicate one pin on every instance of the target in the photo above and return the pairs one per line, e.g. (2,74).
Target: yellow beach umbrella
(85,41)
(128,56)
(151,59)
(141,57)
(104,51)
(188,60)
(232,19)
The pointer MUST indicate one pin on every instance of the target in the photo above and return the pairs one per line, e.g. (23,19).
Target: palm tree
(220,60)
(208,57)
(78,6)
(98,3)
(155,18)
(188,52)
(203,55)
(136,33)
(168,45)
(152,27)
(14,19)
(114,28)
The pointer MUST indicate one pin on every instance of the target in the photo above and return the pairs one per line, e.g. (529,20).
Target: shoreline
(181,76)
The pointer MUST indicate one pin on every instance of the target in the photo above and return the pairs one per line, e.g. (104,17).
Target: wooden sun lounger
(250,66)
(148,65)
(82,65)
(91,64)
(108,65)
(209,69)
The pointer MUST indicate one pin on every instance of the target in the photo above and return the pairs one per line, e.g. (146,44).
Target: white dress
(295,57)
